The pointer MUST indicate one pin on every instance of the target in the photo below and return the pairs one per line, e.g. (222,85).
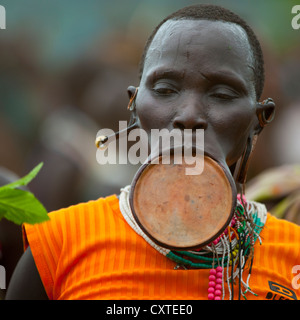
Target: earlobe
(265,113)
(242,165)
(132,93)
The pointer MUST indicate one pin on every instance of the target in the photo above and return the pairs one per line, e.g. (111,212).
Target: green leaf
(21,206)
(23,181)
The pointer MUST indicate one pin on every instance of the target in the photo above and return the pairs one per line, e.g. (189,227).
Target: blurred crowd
(53,116)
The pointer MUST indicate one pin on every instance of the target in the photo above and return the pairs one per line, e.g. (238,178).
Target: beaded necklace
(227,257)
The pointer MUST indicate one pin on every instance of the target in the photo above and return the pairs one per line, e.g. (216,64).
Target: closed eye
(164,89)
(224,93)
(224,96)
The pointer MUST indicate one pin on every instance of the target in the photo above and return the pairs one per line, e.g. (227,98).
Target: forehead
(201,44)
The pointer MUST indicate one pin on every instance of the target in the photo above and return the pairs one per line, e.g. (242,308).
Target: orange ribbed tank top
(88,251)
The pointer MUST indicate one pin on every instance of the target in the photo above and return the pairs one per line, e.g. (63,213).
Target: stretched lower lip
(182,212)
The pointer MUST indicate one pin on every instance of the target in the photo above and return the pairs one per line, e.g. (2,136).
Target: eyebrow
(163,73)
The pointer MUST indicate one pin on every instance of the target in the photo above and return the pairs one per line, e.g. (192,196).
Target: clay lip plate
(179,211)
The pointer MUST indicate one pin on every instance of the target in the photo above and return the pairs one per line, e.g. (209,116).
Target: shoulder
(284,229)
(99,206)
(26,282)
(281,241)
(275,257)
(69,219)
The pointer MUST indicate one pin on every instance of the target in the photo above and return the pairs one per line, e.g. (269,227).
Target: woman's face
(198,74)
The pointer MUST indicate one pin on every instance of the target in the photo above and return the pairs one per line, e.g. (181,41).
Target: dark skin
(198,75)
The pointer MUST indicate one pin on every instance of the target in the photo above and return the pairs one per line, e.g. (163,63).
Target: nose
(189,117)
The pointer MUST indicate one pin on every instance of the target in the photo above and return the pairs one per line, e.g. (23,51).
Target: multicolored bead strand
(232,224)
(215,283)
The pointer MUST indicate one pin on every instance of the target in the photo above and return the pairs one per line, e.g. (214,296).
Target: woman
(202,68)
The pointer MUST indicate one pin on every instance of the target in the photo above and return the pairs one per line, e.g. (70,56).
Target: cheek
(233,129)
(152,115)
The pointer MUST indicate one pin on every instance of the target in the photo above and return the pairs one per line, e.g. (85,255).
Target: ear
(131,91)
(265,112)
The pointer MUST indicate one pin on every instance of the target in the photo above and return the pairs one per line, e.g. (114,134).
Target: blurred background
(64,70)
(65,66)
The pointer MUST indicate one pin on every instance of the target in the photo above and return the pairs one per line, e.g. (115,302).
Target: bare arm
(26,283)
